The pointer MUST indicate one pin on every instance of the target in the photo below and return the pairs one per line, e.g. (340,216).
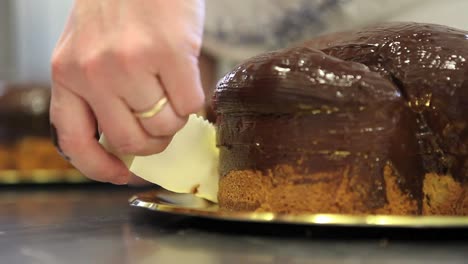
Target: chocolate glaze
(321,113)
(24,111)
(304,108)
(429,65)
(299,79)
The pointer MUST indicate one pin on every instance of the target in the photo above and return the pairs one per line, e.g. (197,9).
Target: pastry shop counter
(93,223)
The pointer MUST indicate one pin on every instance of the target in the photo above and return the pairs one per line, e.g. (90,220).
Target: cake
(25,143)
(376,122)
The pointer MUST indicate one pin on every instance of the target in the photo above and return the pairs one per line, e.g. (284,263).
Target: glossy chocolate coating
(300,79)
(24,111)
(429,65)
(303,108)
(319,113)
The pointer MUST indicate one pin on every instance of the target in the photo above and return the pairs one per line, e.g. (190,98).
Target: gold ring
(154,110)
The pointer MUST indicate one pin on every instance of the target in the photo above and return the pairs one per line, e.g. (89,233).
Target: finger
(78,142)
(181,78)
(123,131)
(143,97)
(136,181)
(164,123)
(109,81)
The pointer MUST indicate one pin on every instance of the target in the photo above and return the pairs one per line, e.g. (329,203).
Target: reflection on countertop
(92,223)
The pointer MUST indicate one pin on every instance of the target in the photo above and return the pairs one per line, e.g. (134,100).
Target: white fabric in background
(452,13)
(264,24)
(243,28)
(259,17)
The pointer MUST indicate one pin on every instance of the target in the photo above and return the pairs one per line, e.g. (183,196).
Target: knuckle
(91,64)
(130,147)
(194,105)
(70,144)
(161,144)
(58,68)
(166,127)
(199,103)
(187,43)
(54,109)
(126,55)
(193,46)
(129,53)
(57,64)
(149,147)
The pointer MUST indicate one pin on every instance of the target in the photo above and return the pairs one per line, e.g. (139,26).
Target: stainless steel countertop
(94,224)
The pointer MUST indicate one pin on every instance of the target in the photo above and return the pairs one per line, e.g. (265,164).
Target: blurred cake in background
(25,144)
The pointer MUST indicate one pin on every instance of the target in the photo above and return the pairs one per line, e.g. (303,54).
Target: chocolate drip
(299,80)
(303,108)
(429,65)
(394,94)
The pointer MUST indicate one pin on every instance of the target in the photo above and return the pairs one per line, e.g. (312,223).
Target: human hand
(118,57)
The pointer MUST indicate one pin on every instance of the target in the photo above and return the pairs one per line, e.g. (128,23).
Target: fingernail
(55,140)
(122,181)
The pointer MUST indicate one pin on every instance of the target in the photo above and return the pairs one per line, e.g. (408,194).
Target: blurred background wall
(5,40)
(30,28)
(28,32)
